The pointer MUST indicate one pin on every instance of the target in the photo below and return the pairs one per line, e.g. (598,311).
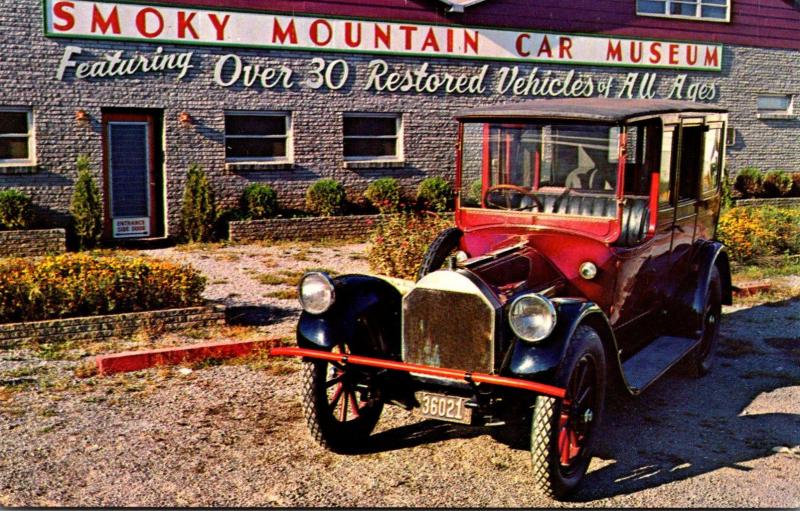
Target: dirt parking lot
(232,434)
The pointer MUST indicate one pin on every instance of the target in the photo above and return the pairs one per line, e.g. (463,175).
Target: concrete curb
(137,360)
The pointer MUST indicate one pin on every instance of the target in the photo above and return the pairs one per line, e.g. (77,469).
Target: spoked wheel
(702,358)
(562,432)
(341,403)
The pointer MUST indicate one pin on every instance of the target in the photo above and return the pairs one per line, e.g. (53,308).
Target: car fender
(691,298)
(360,300)
(539,361)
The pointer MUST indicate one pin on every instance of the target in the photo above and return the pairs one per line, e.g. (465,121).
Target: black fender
(691,297)
(539,361)
(361,301)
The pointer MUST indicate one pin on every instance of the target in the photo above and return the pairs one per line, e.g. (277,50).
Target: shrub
(86,207)
(16,210)
(384,194)
(400,241)
(753,232)
(727,192)
(777,183)
(748,182)
(325,197)
(198,212)
(795,191)
(434,194)
(84,284)
(259,201)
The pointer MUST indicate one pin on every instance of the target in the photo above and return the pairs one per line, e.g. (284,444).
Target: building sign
(159,24)
(127,227)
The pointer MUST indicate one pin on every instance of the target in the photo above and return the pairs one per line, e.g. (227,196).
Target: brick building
(287,92)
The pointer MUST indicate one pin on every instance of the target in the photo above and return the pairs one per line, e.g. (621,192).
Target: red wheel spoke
(336,395)
(563,446)
(354,404)
(333,381)
(343,408)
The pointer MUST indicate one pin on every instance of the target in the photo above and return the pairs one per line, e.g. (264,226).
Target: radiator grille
(448,329)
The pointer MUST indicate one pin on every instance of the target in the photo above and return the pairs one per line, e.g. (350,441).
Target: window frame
(288,136)
(697,17)
(764,113)
(30,135)
(398,137)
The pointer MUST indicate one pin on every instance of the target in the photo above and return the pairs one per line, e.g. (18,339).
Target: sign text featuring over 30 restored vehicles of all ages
(583,256)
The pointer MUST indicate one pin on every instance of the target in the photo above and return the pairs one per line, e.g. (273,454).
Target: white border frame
(31,159)
(399,148)
(727,18)
(148,148)
(289,136)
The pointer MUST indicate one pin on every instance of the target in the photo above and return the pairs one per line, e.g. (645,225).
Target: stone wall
(304,229)
(32,243)
(785,202)
(114,325)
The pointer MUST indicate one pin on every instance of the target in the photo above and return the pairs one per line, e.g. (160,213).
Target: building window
(16,137)
(372,136)
(774,105)
(258,136)
(708,10)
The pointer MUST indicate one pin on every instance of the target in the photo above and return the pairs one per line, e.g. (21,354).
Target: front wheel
(562,432)
(703,356)
(341,404)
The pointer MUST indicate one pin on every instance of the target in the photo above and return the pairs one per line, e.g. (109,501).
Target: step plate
(646,366)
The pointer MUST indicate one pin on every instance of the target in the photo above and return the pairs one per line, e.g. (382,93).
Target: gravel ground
(233,434)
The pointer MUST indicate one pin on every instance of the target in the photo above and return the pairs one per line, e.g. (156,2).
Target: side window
(16,137)
(690,161)
(666,171)
(711,159)
(642,157)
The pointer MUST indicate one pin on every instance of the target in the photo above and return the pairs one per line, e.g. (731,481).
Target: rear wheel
(441,247)
(703,356)
(562,432)
(341,403)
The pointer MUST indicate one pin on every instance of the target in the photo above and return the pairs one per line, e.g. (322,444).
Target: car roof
(590,109)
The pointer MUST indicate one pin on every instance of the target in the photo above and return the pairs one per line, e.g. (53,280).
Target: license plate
(444,408)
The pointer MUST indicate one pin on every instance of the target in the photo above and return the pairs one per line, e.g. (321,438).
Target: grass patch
(779,268)
(282,294)
(273,279)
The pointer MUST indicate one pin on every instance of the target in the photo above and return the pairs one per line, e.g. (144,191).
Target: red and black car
(583,256)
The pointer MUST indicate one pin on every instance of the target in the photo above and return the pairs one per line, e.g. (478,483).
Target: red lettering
(673,54)
(219,26)
(712,57)
(471,42)
(63,11)
(545,48)
(430,41)
(383,36)
(409,31)
(348,34)
(141,22)
(279,35)
(655,53)
(636,52)
(450,42)
(614,52)
(112,21)
(564,47)
(185,23)
(315,36)
(691,54)
(520,49)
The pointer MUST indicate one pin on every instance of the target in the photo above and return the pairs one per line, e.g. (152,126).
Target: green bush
(325,197)
(795,191)
(399,243)
(727,192)
(259,201)
(754,232)
(85,284)
(749,182)
(434,194)
(198,212)
(777,183)
(16,210)
(86,206)
(384,194)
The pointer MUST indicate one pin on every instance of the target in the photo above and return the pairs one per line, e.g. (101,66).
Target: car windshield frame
(548,159)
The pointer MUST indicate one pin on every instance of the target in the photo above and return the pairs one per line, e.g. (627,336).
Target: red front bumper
(452,374)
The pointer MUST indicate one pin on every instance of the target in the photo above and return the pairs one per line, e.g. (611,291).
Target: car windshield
(539,166)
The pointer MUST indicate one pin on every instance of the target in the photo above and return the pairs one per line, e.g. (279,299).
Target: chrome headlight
(316,292)
(532,317)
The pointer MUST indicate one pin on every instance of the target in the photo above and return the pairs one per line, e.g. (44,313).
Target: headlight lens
(532,317)
(316,292)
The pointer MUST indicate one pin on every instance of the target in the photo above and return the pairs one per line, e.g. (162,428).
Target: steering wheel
(506,191)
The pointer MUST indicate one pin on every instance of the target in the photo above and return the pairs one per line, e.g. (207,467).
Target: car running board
(649,364)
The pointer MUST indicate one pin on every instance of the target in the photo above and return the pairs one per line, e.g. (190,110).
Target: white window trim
(788,113)
(727,18)
(31,159)
(289,158)
(399,155)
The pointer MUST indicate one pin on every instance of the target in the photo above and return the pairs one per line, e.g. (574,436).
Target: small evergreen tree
(86,206)
(198,212)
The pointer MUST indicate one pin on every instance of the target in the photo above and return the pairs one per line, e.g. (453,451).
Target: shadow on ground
(256,315)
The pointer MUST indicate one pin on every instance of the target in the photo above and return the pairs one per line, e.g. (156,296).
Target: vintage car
(583,257)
